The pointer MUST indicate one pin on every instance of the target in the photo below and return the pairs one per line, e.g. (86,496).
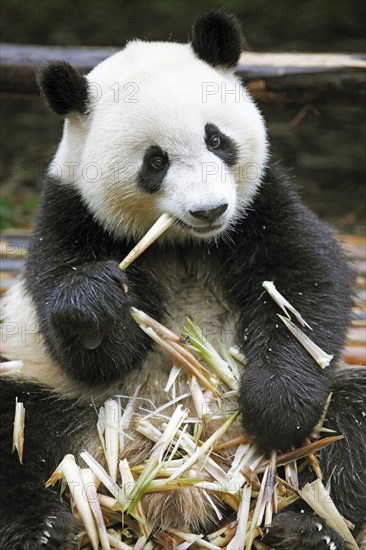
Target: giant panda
(167,142)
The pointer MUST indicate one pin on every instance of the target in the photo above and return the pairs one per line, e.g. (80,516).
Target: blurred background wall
(325,150)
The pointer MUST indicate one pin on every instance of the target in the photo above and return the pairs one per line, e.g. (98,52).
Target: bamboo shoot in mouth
(160,226)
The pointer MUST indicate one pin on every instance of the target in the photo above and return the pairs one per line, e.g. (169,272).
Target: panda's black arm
(73,276)
(283,389)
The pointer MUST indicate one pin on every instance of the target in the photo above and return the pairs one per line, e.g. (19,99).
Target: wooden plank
(298,78)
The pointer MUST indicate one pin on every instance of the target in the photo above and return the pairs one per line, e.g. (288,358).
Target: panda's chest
(194,290)
(191,288)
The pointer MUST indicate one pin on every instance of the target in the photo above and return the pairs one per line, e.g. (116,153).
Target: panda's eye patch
(158,162)
(214,141)
(155,166)
(221,145)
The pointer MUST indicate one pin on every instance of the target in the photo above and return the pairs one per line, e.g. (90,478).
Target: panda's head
(162,127)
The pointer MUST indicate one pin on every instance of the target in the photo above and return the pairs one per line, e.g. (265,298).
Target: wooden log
(298,78)
(19,64)
(304,78)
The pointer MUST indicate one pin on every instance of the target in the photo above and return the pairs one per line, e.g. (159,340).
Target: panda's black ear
(64,88)
(217,38)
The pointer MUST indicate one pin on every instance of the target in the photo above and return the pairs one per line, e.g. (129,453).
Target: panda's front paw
(90,303)
(280,413)
(302,529)
(88,328)
(56,531)
(59,532)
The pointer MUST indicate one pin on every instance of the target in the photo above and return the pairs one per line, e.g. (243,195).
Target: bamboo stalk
(301,452)
(143,319)
(177,355)
(238,542)
(18,431)
(160,226)
(234,442)
(90,492)
(72,475)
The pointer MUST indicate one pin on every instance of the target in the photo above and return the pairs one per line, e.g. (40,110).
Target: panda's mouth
(207,229)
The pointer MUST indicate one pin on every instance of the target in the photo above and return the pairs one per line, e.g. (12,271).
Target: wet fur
(73,289)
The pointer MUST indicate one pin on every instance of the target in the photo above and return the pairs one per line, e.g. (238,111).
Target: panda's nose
(209,215)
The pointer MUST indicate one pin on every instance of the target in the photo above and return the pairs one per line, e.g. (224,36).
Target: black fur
(64,88)
(217,38)
(344,462)
(150,177)
(283,389)
(227,150)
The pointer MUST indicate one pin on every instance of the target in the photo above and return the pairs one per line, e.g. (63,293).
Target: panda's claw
(291,529)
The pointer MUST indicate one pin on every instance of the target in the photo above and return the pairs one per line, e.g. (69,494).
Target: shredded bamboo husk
(72,474)
(323,359)
(90,492)
(18,431)
(111,429)
(283,303)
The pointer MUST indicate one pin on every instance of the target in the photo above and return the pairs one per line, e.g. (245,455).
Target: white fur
(170,96)
(21,338)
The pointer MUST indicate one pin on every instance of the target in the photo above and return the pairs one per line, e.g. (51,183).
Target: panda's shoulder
(279,202)
(279,188)
(279,219)
(65,223)
(61,202)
